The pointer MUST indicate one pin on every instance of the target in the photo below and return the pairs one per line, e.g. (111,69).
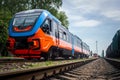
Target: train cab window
(46,27)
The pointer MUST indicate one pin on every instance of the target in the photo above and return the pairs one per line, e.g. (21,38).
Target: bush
(3,37)
(3,32)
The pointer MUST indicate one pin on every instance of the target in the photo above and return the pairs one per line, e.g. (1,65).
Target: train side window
(69,38)
(64,36)
(75,41)
(55,28)
(46,27)
(60,34)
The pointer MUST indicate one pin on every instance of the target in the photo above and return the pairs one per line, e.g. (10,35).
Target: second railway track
(99,69)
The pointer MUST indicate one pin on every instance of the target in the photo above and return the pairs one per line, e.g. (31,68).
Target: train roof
(117,34)
(30,11)
(85,44)
(78,37)
(37,12)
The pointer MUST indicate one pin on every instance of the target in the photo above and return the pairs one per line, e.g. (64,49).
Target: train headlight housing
(35,44)
(10,43)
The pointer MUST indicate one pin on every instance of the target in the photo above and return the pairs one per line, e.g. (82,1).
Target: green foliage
(3,38)
(45,4)
(63,18)
(52,6)
(13,6)
(3,32)
(9,7)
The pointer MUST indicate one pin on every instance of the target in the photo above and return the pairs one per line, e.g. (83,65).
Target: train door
(56,33)
(72,41)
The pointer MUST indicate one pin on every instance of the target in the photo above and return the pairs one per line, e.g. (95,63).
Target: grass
(52,63)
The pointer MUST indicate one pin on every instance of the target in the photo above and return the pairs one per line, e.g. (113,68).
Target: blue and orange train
(37,33)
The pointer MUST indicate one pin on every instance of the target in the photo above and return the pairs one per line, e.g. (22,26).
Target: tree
(13,5)
(45,4)
(63,18)
(3,32)
(9,7)
(3,35)
(52,6)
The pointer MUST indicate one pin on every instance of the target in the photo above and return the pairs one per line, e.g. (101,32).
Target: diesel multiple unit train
(113,50)
(37,33)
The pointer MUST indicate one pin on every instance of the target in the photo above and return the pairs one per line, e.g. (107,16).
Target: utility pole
(96,47)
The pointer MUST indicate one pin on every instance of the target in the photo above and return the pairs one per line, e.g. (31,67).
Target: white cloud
(83,6)
(108,8)
(113,14)
(87,23)
(76,18)
(75,11)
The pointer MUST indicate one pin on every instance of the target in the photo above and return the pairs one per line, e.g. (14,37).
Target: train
(113,50)
(37,33)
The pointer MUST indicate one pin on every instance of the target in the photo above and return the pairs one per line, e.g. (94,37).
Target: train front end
(24,34)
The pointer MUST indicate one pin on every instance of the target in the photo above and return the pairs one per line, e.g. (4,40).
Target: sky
(93,20)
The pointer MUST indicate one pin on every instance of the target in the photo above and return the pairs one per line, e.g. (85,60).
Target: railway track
(41,73)
(115,75)
(99,69)
(114,62)
(16,60)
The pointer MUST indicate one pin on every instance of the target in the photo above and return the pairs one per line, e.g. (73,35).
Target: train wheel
(53,57)
(46,57)
(49,55)
(28,58)
(66,57)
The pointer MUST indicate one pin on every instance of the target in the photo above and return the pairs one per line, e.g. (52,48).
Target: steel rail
(114,62)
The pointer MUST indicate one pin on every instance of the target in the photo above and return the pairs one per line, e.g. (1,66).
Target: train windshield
(24,23)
